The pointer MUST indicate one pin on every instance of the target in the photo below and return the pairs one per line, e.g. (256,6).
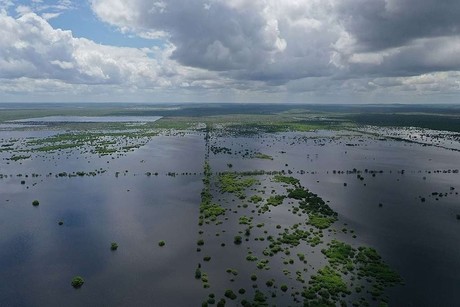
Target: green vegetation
(161,243)
(275,200)
(255,199)
(77,282)
(298,193)
(325,287)
(321,222)
(232,271)
(211,211)
(370,264)
(221,303)
(237,240)
(251,257)
(339,252)
(430,121)
(230,294)
(232,183)
(244,220)
(263,156)
(287,180)
(35,203)
(263,264)
(18,157)
(114,246)
(208,210)
(198,273)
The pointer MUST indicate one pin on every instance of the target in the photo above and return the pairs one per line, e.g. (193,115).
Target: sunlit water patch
(89,119)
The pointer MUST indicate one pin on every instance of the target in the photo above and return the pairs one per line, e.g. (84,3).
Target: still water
(38,258)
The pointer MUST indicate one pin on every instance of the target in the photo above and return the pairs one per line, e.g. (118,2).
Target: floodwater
(417,239)
(38,258)
(88,119)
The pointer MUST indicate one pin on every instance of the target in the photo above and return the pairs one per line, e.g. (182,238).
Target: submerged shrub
(237,240)
(77,282)
(230,294)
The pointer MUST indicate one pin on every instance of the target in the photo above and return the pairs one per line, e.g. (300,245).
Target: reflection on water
(88,119)
(38,257)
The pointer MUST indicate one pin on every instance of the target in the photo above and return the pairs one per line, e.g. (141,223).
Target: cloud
(382,24)
(31,48)
(255,40)
(280,41)
(299,49)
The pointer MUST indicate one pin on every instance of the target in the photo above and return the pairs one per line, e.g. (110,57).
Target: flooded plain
(398,197)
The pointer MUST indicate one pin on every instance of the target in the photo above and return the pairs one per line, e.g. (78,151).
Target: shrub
(211,301)
(198,273)
(161,243)
(237,240)
(113,246)
(35,203)
(229,293)
(77,282)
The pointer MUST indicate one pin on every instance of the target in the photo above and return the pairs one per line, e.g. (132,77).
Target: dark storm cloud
(381,24)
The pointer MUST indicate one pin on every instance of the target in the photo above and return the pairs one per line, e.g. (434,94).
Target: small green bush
(198,273)
(77,282)
(35,203)
(230,294)
(237,240)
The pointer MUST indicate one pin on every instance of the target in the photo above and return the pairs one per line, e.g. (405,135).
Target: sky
(304,51)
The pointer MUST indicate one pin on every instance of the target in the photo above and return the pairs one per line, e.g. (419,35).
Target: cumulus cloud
(280,41)
(31,48)
(255,39)
(294,47)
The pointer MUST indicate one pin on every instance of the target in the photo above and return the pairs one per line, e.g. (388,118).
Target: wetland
(229,205)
